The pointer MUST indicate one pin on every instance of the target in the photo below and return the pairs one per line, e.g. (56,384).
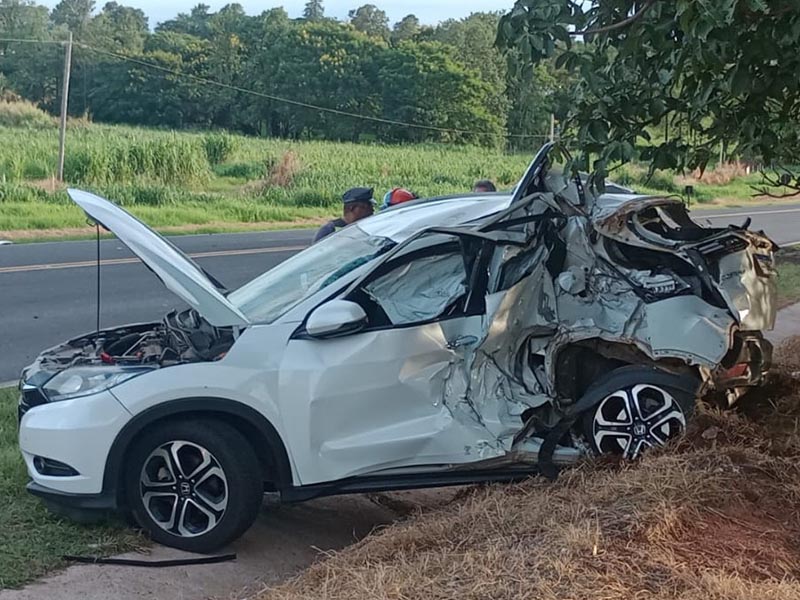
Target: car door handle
(463,340)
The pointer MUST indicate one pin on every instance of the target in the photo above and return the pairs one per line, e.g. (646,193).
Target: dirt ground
(283,541)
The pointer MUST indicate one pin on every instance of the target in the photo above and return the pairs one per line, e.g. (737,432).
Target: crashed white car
(447,341)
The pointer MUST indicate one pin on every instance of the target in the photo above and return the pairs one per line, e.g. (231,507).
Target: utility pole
(552,127)
(62,134)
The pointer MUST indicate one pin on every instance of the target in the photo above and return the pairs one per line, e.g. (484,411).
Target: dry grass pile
(722,174)
(286,169)
(715,516)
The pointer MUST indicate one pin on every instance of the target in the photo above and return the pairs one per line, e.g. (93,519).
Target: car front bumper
(78,434)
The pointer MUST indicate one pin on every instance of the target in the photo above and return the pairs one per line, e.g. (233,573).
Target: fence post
(62,134)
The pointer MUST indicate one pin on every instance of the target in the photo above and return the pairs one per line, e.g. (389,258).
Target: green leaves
(598,130)
(685,77)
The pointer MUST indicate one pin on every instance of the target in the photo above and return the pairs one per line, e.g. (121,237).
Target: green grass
(170,178)
(33,540)
(218,180)
(788,261)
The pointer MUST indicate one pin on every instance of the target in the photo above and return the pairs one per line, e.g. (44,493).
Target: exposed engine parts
(181,337)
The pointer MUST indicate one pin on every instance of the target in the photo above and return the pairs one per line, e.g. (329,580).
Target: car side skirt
(412,481)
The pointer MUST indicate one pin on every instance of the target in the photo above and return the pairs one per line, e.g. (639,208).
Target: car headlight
(82,381)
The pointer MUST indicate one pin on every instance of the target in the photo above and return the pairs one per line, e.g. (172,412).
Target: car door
(394,394)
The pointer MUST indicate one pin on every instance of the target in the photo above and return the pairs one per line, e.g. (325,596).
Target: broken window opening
(420,290)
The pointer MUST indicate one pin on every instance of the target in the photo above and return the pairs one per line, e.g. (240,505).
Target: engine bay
(181,337)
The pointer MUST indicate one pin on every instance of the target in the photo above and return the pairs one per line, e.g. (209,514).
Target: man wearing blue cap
(358,204)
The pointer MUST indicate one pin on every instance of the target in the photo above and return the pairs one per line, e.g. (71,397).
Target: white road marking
(748,214)
(133,260)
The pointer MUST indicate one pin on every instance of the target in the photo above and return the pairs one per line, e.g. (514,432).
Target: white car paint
(79,432)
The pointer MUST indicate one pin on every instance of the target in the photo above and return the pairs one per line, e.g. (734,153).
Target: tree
(22,19)
(193,23)
(423,83)
(73,14)
(314,11)
(325,64)
(703,73)
(30,69)
(371,20)
(405,29)
(119,27)
(473,40)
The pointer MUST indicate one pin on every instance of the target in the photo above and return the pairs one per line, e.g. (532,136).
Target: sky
(428,11)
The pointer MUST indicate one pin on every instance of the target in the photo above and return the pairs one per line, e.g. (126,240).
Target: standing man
(358,204)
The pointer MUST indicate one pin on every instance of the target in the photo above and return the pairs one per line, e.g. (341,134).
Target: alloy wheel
(632,419)
(183,488)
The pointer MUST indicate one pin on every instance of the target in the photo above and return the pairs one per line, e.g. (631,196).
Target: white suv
(447,341)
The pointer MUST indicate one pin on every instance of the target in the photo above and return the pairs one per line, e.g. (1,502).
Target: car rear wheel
(193,485)
(638,408)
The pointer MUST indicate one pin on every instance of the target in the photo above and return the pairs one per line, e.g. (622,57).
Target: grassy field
(212,179)
(33,541)
(215,181)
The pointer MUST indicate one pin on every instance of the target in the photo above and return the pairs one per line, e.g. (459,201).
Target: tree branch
(624,23)
(778,181)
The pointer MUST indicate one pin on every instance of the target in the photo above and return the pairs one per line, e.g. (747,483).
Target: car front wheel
(195,485)
(637,408)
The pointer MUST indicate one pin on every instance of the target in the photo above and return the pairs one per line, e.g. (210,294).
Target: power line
(301,104)
(275,98)
(27,41)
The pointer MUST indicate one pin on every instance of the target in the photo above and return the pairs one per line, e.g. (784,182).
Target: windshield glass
(271,295)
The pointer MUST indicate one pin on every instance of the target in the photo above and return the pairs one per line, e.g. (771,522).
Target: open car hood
(177,271)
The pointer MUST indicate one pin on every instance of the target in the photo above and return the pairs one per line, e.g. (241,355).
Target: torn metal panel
(611,210)
(749,285)
(688,328)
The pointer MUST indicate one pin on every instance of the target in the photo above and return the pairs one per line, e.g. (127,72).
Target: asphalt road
(48,290)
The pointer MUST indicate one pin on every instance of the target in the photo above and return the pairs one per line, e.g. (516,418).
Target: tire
(634,408)
(195,485)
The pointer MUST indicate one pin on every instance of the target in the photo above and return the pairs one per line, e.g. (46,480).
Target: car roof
(405,220)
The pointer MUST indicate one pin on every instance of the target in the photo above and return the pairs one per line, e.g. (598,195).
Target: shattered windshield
(271,295)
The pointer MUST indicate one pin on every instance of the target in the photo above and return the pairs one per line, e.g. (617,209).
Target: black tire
(200,513)
(635,407)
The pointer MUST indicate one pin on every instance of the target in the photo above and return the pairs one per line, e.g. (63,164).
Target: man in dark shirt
(358,204)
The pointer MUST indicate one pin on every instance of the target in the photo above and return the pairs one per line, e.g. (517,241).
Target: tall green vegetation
(443,78)
(215,180)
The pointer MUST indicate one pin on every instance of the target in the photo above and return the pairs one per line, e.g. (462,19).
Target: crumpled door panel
(375,400)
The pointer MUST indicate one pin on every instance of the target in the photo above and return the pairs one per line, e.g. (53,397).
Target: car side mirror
(335,318)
